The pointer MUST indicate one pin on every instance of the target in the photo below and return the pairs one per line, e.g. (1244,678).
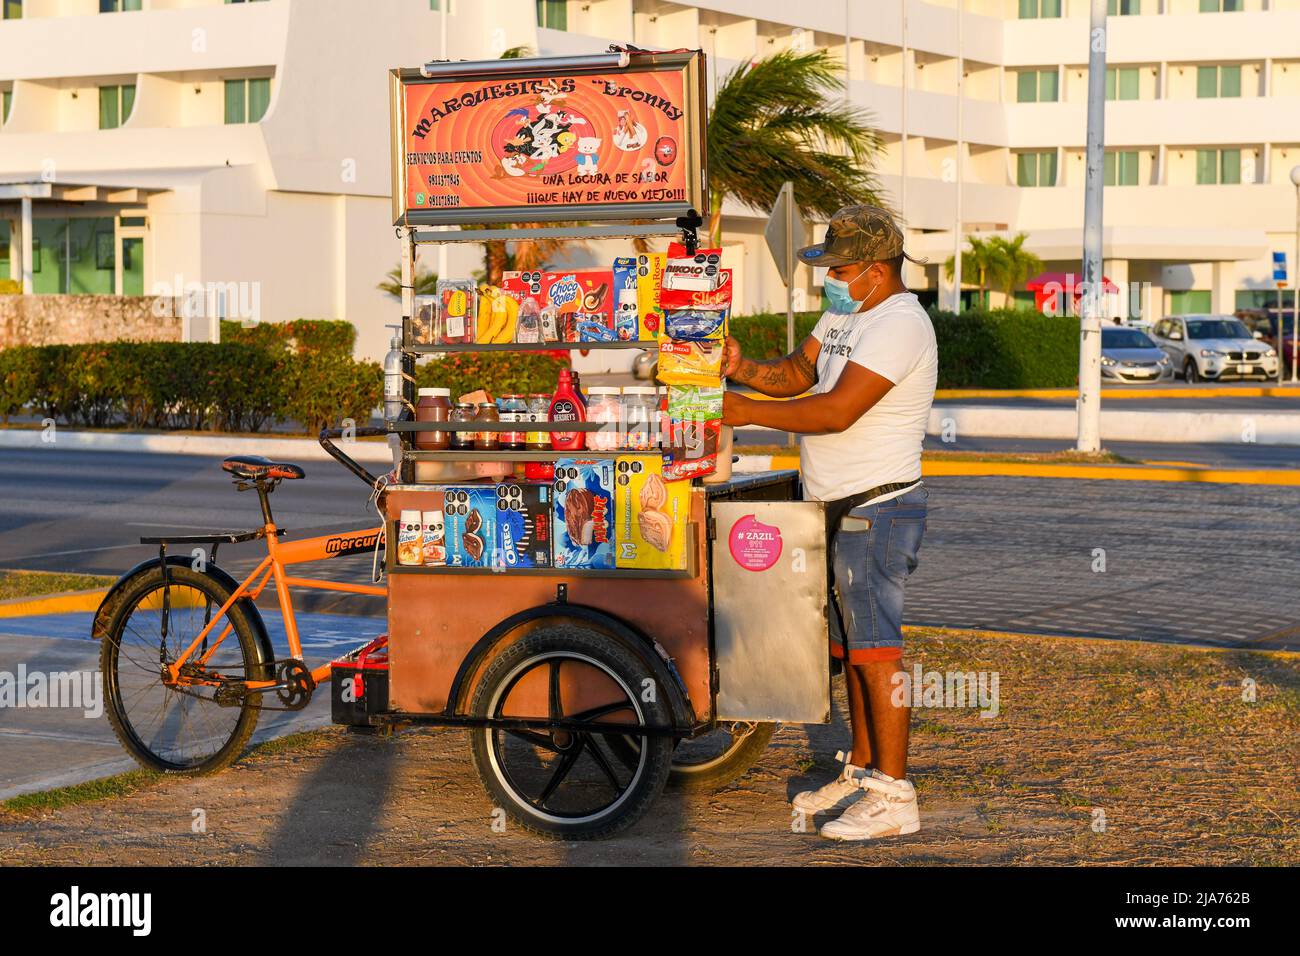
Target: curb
(217,446)
(983,469)
(62,603)
(1207,391)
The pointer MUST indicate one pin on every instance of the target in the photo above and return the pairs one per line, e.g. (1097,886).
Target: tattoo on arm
(788,375)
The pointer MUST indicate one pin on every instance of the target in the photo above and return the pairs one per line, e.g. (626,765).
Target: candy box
(626,326)
(651,514)
(579,300)
(524,525)
(469,524)
(649,281)
(584,513)
(700,272)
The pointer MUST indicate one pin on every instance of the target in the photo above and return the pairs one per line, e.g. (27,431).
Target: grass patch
(106,788)
(24,584)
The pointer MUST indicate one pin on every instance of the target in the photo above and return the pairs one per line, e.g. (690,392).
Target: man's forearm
(780,378)
(814,415)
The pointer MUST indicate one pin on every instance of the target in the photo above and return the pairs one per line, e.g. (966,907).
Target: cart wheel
(569,784)
(712,760)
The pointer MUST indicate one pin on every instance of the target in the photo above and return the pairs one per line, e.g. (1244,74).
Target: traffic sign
(1279,270)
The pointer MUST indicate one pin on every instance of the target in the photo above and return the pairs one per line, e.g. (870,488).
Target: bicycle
(181,696)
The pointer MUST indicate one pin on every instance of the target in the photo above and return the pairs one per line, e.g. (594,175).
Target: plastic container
(433,405)
(605,405)
(640,417)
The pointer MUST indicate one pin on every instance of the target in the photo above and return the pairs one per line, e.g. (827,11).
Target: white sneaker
(888,809)
(840,793)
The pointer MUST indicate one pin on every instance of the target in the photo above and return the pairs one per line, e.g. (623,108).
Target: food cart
(584,685)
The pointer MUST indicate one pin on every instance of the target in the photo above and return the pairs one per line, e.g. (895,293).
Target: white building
(246,143)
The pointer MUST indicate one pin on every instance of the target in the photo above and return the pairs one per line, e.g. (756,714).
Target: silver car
(1129,355)
(1214,347)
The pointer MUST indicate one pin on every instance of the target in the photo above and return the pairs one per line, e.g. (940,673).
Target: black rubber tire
(645,785)
(726,768)
(1191,374)
(144,583)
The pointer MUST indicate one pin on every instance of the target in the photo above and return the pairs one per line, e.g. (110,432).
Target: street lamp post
(1295,286)
(1089,403)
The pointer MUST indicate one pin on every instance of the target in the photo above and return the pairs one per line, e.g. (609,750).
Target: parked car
(1214,348)
(1263,325)
(1129,355)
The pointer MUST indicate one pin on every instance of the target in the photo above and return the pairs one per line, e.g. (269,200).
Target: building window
(247,100)
(243,1)
(6,106)
(553,14)
(1121,168)
(1036,169)
(115,105)
(1218,81)
(1222,6)
(1123,8)
(11,9)
(436,5)
(1190,302)
(1037,86)
(118,6)
(1121,83)
(1218,167)
(1039,9)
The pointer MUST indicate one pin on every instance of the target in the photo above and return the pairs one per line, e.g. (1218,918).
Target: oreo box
(470,525)
(584,513)
(523,525)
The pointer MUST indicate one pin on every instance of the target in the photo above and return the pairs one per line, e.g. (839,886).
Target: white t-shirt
(894,339)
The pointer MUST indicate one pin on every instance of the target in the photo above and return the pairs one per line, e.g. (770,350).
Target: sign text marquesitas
(588,139)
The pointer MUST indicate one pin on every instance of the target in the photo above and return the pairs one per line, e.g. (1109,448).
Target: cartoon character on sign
(540,144)
(588,160)
(630,135)
(666,150)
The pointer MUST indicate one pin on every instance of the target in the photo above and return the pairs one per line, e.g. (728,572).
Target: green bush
(998,348)
(298,337)
(10,287)
(323,388)
(500,373)
(19,378)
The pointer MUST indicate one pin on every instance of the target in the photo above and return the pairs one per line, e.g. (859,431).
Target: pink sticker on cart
(754,545)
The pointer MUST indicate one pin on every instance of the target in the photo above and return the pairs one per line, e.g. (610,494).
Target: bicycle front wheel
(198,722)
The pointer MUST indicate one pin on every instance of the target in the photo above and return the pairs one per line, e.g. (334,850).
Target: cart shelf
(543,572)
(422,349)
(552,455)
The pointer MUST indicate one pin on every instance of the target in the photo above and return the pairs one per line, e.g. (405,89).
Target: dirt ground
(1101,753)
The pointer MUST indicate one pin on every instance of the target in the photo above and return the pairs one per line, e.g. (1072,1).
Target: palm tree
(426,282)
(1016,264)
(982,259)
(783,118)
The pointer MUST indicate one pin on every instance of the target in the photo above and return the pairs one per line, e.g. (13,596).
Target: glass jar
(487,440)
(513,408)
(432,405)
(464,412)
(605,406)
(539,410)
(640,417)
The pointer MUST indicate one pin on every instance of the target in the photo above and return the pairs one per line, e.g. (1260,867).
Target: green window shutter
(1230,160)
(1048,86)
(1209,6)
(132,5)
(1207,81)
(1028,9)
(553,14)
(1128,168)
(1047,169)
(6,106)
(1027,86)
(435,4)
(12,9)
(1108,169)
(1110,82)
(236,110)
(259,98)
(1112,8)
(128,101)
(1207,167)
(1051,8)
(1233,6)
(1230,81)
(1128,84)
(1026,169)
(109,117)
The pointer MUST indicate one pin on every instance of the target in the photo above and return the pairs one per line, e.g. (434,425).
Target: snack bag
(690,363)
(584,513)
(652,515)
(626,326)
(469,524)
(697,316)
(649,282)
(699,273)
(694,430)
(458,307)
(524,525)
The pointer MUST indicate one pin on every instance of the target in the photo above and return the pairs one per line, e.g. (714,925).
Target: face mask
(841,300)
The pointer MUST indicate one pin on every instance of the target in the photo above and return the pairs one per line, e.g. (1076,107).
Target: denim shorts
(871,560)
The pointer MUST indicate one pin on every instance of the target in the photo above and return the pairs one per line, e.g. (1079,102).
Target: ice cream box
(523,523)
(584,513)
(469,524)
(651,515)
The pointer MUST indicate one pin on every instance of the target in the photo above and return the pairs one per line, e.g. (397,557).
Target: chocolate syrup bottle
(567,406)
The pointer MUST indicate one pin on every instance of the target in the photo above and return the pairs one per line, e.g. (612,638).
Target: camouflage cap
(857,234)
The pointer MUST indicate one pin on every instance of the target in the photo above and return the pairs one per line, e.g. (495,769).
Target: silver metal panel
(770,621)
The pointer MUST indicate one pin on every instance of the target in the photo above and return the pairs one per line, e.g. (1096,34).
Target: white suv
(1214,347)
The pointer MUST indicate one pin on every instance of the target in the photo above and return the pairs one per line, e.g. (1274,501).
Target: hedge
(498,372)
(298,336)
(999,348)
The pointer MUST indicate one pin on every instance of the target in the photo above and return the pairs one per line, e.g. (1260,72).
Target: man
(869,369)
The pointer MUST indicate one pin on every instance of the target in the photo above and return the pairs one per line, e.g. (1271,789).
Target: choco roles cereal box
(524,525)
(584,513)
(469,525)
(651,514)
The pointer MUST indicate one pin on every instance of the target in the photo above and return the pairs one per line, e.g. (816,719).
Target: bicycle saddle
(255,468)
